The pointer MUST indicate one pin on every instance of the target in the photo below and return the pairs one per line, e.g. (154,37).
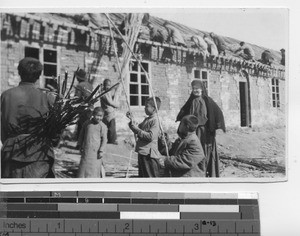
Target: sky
(260,26)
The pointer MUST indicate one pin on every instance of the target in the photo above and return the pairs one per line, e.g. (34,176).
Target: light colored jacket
(147,133)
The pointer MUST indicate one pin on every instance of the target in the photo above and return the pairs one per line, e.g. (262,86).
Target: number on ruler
(212,223)
(196,226)
(126,226)
(58,225)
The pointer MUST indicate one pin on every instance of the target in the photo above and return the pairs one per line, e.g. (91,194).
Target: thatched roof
(99,21)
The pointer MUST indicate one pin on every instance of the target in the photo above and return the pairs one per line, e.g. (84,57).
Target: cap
(81,74)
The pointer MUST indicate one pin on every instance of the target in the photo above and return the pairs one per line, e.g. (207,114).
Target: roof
(99,21)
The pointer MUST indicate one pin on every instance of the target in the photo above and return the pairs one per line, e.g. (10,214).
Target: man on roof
(156,34)
(174,36)
(200,44)
(267,58)
(245,51)
(220,43)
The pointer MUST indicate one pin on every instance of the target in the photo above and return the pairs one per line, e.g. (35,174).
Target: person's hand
(129,115)
(99,155)
(161,161)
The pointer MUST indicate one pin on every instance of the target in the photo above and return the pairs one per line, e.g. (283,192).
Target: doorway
(244,104)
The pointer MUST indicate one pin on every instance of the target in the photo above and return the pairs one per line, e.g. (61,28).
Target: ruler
(93,213)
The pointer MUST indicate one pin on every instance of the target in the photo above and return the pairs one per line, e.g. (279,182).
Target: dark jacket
(188,159)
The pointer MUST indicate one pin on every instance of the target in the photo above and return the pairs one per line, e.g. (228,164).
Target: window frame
(275,92)
(42,80)
(201,77)
(139,72)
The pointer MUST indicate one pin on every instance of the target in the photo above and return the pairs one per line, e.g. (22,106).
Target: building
(249,93)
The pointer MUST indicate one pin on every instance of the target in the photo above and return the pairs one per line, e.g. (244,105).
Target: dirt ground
(243,152)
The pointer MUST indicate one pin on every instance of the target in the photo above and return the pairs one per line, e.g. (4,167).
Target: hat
(282,50)
(197,83)
(81,74)
(192,121)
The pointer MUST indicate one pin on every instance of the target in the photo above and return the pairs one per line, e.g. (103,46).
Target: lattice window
(48,58)
(275,92)
(138,84)
(202,75)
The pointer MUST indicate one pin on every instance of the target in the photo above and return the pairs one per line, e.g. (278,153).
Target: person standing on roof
(83,90)
(212,48)
(174,36)
(245,51)
(200,44)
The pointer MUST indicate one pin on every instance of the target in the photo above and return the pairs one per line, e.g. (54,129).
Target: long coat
(19,107)
(188,159)
(92,142)
(206,131)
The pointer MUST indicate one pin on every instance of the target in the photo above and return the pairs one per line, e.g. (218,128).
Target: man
(83,90)
(19,107)
(156,34)
(200,44)
(245,51)
(220,43)
(267,58)
(174,36)
(109,103)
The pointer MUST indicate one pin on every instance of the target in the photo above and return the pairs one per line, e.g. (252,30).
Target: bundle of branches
(47,128)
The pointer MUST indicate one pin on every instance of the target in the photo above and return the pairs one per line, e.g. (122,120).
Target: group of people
(27,102)
(193,154)
(210,44)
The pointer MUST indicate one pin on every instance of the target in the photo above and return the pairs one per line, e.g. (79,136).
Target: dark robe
(206,131)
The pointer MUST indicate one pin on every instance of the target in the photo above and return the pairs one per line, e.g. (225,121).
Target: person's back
(20,108)
(212,48)
(174,35)
(266,57)
(220,43)
(20,102)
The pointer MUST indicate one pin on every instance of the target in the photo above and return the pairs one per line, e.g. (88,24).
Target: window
(275,92)
(138,84)
(49,60)
(202,75)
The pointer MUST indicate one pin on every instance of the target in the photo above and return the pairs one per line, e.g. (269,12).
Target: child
(188,159)
(147,135)
(92,142)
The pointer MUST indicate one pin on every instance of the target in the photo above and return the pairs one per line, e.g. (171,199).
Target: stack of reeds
(48,127)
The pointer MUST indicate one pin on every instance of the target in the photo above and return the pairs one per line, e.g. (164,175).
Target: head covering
(191,121)
(81,75)
(282,50)
(197,83)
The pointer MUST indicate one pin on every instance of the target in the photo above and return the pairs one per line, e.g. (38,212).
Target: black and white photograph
(161,94)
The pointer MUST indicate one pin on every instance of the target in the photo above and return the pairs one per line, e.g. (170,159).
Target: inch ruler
(128,214)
